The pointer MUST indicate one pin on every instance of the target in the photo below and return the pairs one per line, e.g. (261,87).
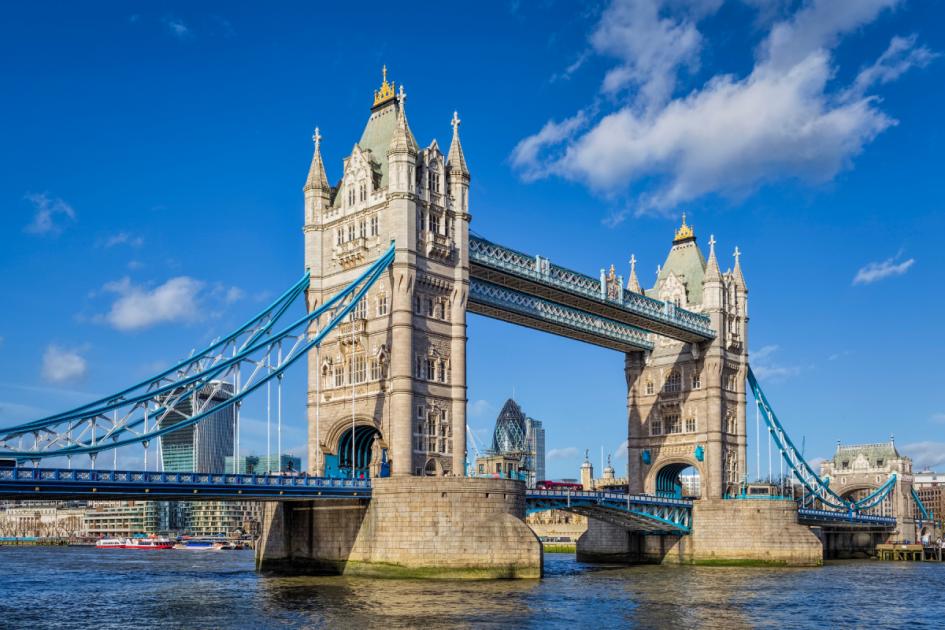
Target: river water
(88,587)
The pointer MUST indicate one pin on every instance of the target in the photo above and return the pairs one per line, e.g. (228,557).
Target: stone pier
(430,527)
(724,532)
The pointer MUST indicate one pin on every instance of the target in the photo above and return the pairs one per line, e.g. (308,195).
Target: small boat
(199,545)
(110,543)
(148,543)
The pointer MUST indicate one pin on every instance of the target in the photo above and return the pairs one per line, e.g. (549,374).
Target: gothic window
(375,370)
(430,307)
(357,371)
(339,374)
(430,369)
(696,380)
(673,382)
(441,371)
(374,225)
(360,310)
(362,228)
(672,422)
(339,236)
(418,368)
(656,426)
(691,424)
(382,304)
(418,306)
(419,413)
(363,192)
(440,310)
(351,231)
(730,422)
(351,196)
(649,388)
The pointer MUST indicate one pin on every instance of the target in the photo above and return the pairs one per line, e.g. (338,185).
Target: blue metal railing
(541,270)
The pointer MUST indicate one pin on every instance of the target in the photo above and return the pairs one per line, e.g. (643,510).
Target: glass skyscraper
(518,437)
(203,447)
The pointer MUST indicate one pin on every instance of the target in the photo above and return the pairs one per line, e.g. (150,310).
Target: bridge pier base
(724,532)
(416,527)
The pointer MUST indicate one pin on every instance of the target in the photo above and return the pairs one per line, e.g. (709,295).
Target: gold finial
(386,91)
(613,273)
(685,232)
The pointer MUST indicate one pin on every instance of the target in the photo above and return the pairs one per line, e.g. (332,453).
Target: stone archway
(358,454)
(667,479)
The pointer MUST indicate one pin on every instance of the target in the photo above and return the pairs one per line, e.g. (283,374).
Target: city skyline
(145,249)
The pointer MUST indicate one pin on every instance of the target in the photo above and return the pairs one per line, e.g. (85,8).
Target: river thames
(88,587)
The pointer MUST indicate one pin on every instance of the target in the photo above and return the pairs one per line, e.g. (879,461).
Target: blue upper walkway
(494,266)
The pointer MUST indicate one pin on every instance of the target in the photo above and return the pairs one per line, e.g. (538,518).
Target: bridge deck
(536,276)
(60,484)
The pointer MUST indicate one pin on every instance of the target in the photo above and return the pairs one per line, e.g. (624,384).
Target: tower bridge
(391,273)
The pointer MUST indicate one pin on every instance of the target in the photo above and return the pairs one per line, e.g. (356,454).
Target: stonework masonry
(724,532)
(413,527)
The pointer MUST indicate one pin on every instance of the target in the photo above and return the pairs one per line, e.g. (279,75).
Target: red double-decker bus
(558,485)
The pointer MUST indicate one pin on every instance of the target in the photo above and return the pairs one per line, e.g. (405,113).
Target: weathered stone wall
(752,531)
(412,527)
(724,532)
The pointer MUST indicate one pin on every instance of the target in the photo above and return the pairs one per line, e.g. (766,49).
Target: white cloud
(177,300)
(785,120)
(48,212)
(876,271)
(177,28)
(234,294)
(765,369)
(62,365)
(557,454)
(925,455)
(650,44)
(124,238)
(901,56)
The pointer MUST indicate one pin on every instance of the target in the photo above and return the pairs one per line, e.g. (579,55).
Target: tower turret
(402,153)
(316,189)
(457,171)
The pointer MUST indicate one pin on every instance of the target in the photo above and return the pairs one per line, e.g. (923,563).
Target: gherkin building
(509,434)
(519,437)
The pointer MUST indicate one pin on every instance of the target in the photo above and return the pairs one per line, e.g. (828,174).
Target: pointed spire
(402,140)
(317,179)
(634,284)
(737,271)
(456,161)
(712,265)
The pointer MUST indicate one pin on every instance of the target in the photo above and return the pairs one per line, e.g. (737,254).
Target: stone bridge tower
(396,371)
(685,401)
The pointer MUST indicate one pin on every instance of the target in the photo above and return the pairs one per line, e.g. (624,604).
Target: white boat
(110,543)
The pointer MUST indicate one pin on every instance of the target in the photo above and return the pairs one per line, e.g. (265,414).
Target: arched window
(649,388)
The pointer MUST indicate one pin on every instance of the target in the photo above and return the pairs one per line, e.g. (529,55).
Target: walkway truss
(257,353)
(641,513)
(531,291)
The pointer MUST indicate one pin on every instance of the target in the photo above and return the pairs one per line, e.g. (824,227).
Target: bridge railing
(610,496)
(183,478)
(542,270)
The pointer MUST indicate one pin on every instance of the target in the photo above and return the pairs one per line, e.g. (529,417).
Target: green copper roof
(685,259)
(376,138)
(873,452)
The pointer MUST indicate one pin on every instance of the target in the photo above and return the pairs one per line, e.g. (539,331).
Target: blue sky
(154,155)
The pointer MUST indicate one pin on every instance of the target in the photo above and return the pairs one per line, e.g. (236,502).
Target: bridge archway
(666,479)
(366,450)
